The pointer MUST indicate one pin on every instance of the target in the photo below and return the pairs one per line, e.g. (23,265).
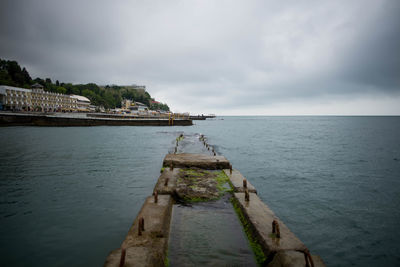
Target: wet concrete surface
(205,233)
(192,144)
(208,234)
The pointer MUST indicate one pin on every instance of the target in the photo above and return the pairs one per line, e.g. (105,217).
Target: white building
(83,103)
(49,101)
(15,98)
(36,99)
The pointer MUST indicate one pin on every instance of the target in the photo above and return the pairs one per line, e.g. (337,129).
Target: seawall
(20,119)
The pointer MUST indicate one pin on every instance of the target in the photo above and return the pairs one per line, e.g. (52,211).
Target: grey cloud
(230,54)
(375,58)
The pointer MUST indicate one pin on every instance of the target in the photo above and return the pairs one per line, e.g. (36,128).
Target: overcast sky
(223,57)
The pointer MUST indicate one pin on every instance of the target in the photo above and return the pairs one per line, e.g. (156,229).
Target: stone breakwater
(21,119)
(190,178)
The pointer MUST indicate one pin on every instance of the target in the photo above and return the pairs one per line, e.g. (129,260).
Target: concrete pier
(236,179)
(196,160)
(147,246)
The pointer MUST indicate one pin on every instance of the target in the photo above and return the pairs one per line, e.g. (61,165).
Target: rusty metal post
(166,181)
(230,169)
(278,232)
(171,167)
(273,226)
(275,229)
(308,258)
(246,195)
(155,194)
(142,224)
(244,183)
(122,260)
(140,227)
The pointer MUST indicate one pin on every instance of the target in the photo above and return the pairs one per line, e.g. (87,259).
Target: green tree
(61,90)
(109,96)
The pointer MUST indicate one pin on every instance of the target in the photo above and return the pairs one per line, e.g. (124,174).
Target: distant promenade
(83,119)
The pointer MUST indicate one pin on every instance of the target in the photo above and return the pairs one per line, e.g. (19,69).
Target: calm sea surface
(69,195)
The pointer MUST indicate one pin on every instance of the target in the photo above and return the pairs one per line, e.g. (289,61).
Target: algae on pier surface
(251,237)
(195,185)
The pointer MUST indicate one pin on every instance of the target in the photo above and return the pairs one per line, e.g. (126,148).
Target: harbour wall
(13,119)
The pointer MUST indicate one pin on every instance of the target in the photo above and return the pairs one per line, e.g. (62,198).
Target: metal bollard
(155,194)
(278,232)
(142,223)
(122,260)
(275,228)
(244,183)
(246,195)
(308,258)
(230,169)
(140,227)
(166,181)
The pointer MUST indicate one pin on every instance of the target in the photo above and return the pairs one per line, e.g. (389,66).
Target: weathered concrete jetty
(188,177)
(201,117)
(23,119)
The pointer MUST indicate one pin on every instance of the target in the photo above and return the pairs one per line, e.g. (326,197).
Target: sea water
(69,195)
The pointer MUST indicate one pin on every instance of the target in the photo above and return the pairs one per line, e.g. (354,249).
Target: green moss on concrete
(222,178)
(197,199)
(195,174)
(162,170)
(255,246)
(166,259)
(223,184)
(193,178)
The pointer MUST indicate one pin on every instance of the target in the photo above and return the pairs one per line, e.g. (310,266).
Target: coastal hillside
(108,96)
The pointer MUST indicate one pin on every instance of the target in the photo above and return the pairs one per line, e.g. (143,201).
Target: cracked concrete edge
(293,258)
(236,179)
(170,188)
(150,248)
(260,218)
(186,160)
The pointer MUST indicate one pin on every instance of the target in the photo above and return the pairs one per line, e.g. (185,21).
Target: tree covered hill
(109,96)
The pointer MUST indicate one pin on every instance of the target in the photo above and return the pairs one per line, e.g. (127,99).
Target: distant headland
(27,101)
(109,98)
